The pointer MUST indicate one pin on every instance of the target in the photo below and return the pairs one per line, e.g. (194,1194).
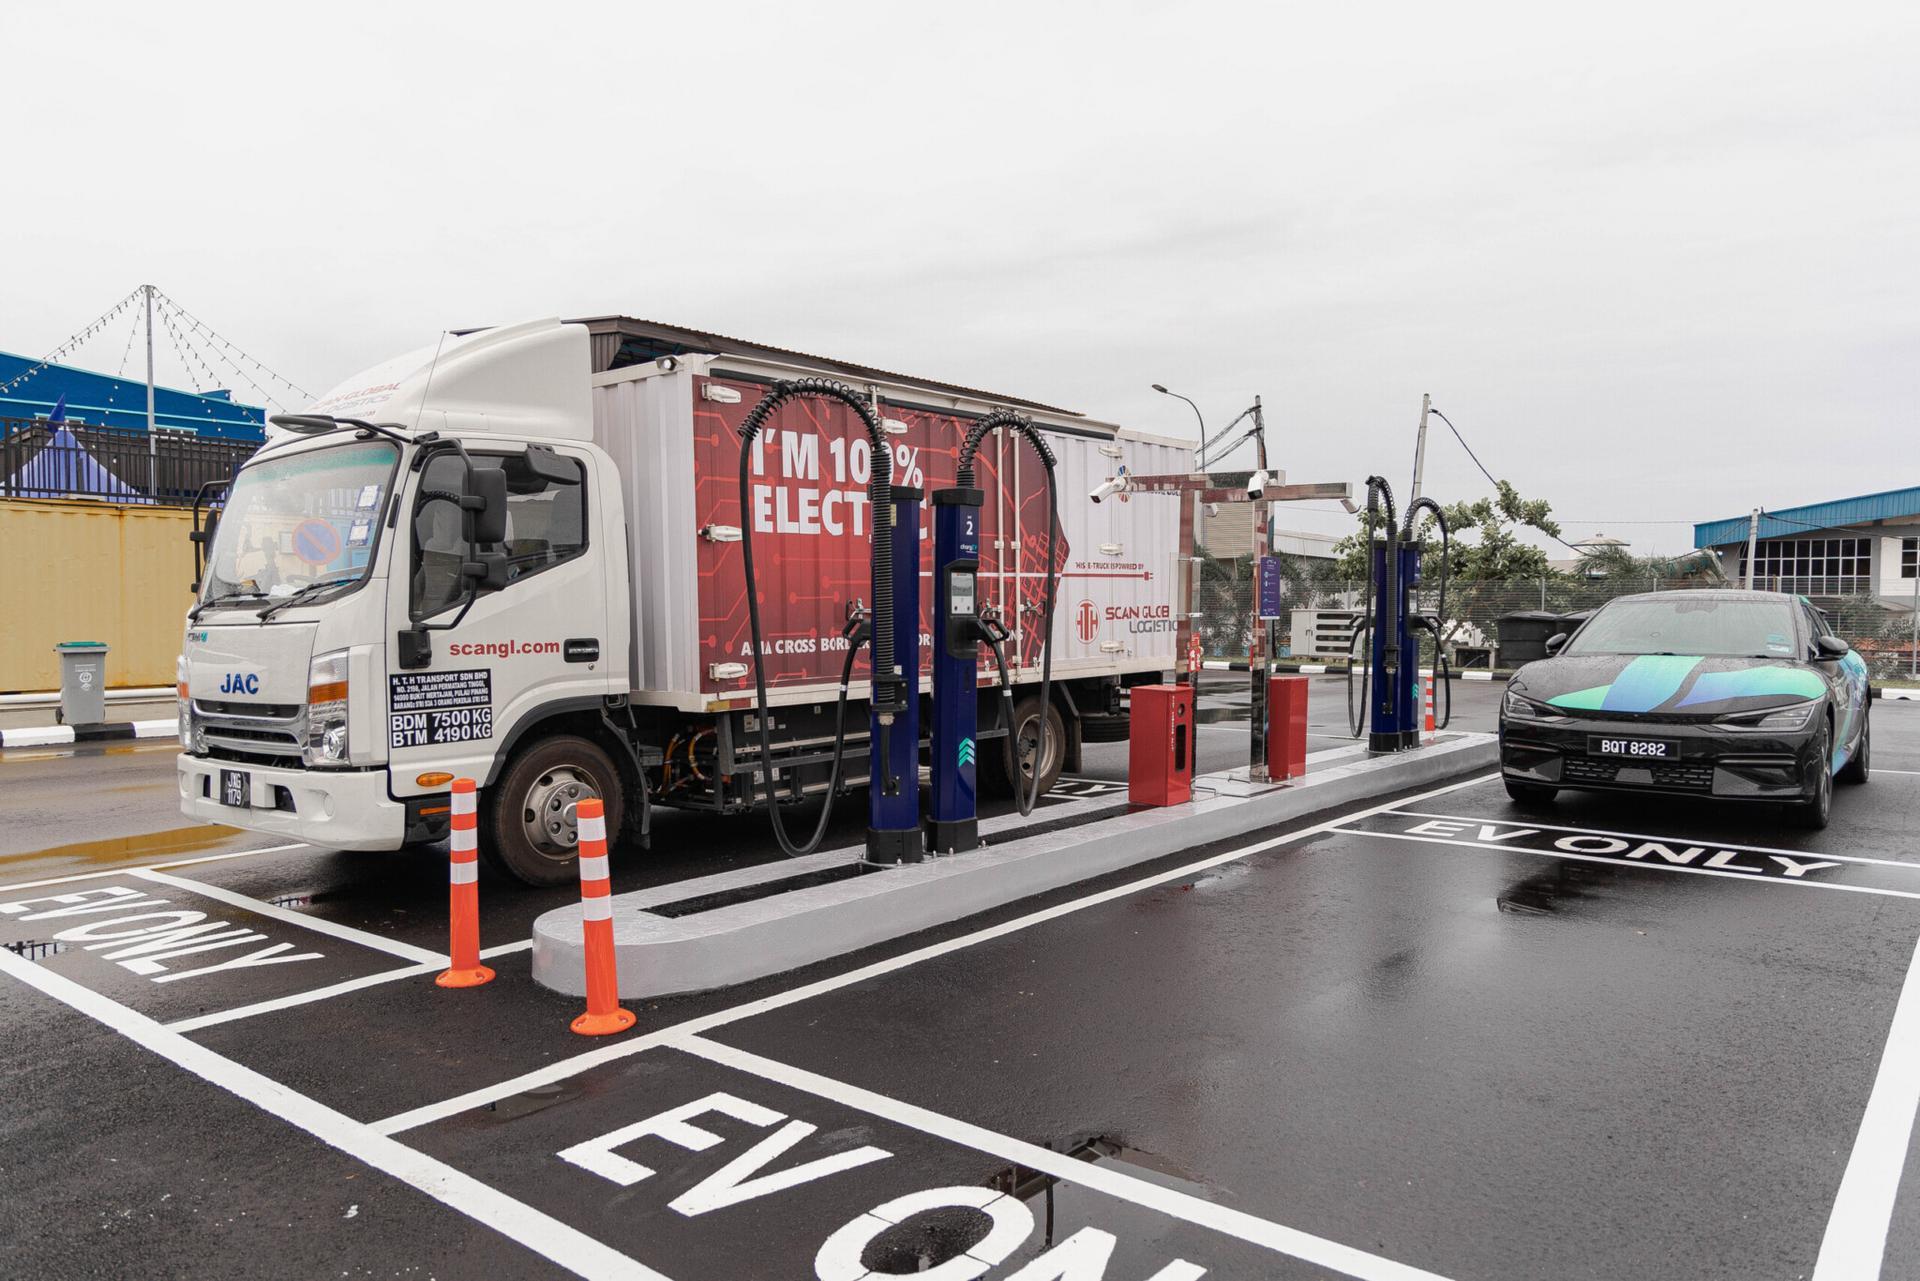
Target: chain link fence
(1319,608)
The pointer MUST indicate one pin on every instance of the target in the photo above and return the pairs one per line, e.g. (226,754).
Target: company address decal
(431,708)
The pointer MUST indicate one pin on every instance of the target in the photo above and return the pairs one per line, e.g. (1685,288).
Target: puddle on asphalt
(178,840)
(527,1102)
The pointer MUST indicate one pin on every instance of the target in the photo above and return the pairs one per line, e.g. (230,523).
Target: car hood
(1681,684)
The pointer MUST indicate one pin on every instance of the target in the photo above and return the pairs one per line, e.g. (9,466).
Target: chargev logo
(966,751)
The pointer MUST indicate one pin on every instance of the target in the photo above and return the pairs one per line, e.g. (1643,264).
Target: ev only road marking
(380,943)
(546,1236)
(1062,1166)
(590,1059)
(148,935)
(1732,862)
(764,1169)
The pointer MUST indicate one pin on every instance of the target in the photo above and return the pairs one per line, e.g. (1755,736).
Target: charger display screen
(960,591)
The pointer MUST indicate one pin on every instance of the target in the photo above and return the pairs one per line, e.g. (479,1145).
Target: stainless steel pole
(1753,543)
(153,449)
(1420,450)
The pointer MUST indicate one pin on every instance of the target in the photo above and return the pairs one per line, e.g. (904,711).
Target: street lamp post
(1196,413)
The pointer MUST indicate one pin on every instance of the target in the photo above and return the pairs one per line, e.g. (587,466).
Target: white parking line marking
(1856,1238)
(1529,821)
(320,925)
(1877,770)
(1614,862)
(579,1063)
(332,990)
(147,867)
(1114,1183)
(541,1233)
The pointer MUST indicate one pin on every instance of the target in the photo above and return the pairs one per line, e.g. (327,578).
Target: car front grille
(1673,776)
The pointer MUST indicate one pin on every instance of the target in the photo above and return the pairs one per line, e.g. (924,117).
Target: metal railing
(1885,635)
(39,459)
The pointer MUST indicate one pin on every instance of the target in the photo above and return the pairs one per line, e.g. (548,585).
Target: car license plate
(236,789)
(1647,749)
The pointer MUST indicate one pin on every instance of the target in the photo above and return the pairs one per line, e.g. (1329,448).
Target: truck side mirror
(487,500)
(486,571)
(1555,641)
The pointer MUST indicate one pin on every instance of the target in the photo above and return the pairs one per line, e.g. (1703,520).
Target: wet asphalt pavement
(1447,1038)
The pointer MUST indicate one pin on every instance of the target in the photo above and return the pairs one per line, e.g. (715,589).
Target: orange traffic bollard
(604,1015)
(463,893)
(1426,680)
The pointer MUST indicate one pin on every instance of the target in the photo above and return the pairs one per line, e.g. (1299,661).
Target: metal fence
(1224,596)
(39,459)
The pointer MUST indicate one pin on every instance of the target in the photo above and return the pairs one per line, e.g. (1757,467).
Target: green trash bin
(83,682)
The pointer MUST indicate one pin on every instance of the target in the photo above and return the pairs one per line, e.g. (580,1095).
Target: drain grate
(292,900)
(34,950)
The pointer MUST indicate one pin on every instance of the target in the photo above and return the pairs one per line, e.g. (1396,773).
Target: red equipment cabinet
(1286,726)
(1160,751)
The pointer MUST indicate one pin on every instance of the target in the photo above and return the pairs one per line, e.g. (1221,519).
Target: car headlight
(327,711)
(1779,720)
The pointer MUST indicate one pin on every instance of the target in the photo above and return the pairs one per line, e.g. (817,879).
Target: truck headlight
(193,739)
(327,711)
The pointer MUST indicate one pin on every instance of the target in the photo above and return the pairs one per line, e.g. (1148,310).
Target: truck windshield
(1694,625)
(306,523)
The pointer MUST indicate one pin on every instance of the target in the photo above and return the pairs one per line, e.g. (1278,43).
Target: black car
(1714,692)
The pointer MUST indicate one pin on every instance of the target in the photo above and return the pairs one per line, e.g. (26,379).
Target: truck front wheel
(530,821)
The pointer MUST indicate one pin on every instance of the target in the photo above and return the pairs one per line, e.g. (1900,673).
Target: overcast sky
(1658,264)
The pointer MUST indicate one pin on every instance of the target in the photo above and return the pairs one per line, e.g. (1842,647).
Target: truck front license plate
(1650,749)
(236,789)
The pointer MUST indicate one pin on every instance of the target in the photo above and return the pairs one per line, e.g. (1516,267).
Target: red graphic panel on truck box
(812,530)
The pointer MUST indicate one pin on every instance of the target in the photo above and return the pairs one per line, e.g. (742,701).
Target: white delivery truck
(514,556)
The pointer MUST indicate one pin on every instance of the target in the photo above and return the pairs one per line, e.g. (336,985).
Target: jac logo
(240,683)
(1086,622)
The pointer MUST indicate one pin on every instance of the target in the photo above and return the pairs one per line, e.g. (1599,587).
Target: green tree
(1484,541)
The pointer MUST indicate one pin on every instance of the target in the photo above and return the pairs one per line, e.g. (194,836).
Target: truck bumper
(340,810)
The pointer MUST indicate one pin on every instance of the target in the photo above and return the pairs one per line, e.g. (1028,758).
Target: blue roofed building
(101,400)
(1863,546)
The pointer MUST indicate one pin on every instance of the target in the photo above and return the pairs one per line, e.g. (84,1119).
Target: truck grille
(1674,776)
(262,734)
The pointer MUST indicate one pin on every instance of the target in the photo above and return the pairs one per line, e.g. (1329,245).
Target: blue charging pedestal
(1396,701)
(893,790)
(953,824)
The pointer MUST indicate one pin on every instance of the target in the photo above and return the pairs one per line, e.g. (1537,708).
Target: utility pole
(153,449)
(1420,450)
(1753,543)
(1914,670)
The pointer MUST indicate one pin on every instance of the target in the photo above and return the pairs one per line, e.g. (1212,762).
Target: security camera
(1257,485)
(1111,485)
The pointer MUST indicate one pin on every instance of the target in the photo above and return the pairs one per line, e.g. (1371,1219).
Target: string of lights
(72,342)
(169,306)
(174,335)
(207,330)
(133,329)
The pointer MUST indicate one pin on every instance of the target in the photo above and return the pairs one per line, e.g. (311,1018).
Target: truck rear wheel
(1007,771)
(530,822)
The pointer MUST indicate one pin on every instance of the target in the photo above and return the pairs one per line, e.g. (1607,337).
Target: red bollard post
(604,1015)
(1426,681)
(1286,726)
(463,892)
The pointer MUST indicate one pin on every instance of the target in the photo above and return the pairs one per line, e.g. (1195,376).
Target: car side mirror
(1555,641)
(1832,647)
(487,500)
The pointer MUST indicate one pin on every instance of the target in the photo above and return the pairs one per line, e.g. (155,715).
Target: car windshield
(302,523)
(1686,624)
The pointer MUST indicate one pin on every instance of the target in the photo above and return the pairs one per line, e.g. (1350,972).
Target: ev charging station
(893,792)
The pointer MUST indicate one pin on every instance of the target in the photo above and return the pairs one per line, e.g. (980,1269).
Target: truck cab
(408,584)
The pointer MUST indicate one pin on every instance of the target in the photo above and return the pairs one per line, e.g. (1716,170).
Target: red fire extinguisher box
(1286,726)
(1160,753)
